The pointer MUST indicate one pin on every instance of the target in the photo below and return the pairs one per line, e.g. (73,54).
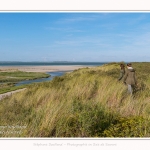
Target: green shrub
(128,127)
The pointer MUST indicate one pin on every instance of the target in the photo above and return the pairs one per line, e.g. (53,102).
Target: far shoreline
(43,69)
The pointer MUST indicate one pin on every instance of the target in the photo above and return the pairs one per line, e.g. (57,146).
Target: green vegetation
(88,102)
(8,79)
(127,127)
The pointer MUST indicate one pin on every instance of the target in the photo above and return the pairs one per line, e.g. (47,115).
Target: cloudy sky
(75,36)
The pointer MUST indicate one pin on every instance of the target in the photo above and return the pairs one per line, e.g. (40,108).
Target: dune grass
(88,102)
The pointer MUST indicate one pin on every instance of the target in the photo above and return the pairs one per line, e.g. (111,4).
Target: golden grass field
(88,102)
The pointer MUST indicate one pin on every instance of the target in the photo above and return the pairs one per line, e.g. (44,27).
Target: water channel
(52,75)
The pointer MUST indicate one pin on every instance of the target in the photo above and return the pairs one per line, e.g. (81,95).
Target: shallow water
(52,75)
(50,63)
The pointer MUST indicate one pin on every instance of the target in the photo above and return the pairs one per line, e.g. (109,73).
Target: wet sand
(40,68)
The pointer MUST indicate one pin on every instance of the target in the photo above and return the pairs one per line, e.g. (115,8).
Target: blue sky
(75,36)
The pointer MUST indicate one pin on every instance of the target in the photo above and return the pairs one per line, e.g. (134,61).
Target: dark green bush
(128,127)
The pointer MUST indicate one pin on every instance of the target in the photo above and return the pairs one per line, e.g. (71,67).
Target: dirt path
(10,93)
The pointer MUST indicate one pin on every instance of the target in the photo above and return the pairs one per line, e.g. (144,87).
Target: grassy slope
(88,102)
(8,79)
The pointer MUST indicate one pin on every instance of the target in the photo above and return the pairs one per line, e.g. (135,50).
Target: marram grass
(88,102)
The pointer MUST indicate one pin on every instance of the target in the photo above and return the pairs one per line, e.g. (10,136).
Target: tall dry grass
(84,103)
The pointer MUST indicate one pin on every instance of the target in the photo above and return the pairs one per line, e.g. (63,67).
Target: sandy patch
(40,68)
(10,93)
